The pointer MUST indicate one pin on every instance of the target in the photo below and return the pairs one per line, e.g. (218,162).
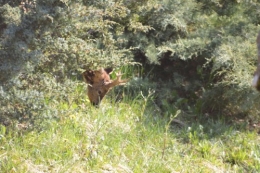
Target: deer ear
(108,70)
(88,75)
(90,72)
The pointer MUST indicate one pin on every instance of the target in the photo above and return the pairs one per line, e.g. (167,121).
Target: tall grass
(127,136)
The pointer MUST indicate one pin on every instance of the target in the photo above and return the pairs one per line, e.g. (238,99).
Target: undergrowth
(129,136)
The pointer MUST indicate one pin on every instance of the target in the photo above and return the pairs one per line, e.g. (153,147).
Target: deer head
(99,83)
(256,79)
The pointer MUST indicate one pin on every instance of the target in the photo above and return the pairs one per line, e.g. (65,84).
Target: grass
(125,137)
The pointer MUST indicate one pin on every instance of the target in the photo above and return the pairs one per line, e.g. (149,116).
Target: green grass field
(130,136)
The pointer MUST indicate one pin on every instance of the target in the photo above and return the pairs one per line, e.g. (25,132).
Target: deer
(99,83)
(256,79)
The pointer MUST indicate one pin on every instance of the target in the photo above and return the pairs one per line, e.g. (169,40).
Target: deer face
(96,93)
(99,83)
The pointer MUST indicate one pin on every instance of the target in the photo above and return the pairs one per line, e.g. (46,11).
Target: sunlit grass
(130,136)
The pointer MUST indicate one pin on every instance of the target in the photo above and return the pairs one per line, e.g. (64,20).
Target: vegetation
(189,106)
(121,138)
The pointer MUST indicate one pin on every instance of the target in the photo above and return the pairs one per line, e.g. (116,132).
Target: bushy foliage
(44,44)
(200,54)
(204,56)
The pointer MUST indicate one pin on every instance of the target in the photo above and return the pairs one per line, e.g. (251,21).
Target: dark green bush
(199,55)
(204,55)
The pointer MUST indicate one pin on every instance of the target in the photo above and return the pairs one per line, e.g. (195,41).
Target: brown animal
(256,79)
(99,83)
